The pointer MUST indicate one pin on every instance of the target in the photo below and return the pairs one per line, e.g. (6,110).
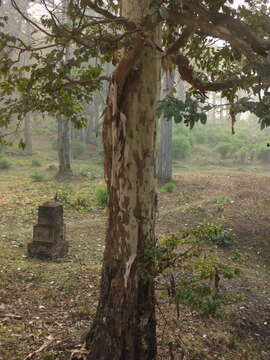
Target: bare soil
(45,307)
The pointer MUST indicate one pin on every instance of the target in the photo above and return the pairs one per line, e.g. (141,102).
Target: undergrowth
(185,267)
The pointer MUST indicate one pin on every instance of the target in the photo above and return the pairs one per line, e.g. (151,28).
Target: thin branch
(72,82)
(99,10)
(14,4)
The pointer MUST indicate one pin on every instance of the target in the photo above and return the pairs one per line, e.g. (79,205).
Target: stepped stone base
(49,233)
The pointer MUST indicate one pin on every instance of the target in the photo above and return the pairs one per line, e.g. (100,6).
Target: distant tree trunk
(213,111)
(125,327)
(221,111)
(64,147)
(64,125)
(27,134)
(164,173)
(90,131)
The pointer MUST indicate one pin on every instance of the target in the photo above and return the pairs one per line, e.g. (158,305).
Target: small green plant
(37,177)
(101,196)
(195,210)
(4,163)
(82,203)
(223,200)
(169,187)
(214,233)
(63,196)
(36,162)
(237,256)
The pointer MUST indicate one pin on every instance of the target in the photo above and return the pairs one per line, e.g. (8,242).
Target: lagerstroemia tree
(139,36)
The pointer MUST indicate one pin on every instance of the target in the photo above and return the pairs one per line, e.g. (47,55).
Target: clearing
(45,307)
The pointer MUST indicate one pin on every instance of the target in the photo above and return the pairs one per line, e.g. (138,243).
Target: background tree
(164,172)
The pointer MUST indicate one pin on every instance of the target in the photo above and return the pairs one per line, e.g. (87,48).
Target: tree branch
(181,41)
(222,26)
(188,74)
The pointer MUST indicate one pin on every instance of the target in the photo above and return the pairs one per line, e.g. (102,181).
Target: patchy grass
(53,303)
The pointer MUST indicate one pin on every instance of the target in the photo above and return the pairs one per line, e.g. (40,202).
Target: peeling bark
(125,326)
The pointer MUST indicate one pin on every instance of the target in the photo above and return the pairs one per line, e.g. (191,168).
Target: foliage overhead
(53,82)
(189,111)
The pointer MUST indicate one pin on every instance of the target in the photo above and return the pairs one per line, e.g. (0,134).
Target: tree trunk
(214,109)
(125,326)
(165,149)
(27,134)
(64,126)
(90,131)
(64,148)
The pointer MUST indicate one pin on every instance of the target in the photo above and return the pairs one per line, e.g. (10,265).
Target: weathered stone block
(49,233)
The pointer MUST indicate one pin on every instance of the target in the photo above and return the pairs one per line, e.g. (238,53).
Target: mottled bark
(164,173)
(125,326)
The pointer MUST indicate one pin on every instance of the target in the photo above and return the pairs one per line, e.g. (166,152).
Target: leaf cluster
(188,111)
(260,109)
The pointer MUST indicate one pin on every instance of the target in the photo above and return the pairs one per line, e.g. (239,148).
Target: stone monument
(49,233)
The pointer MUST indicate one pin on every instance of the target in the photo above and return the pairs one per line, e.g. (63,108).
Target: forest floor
(45,307)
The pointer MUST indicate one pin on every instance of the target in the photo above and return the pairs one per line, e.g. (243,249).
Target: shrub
(63,195)
(190,274)
(263,153)
(35,162)
(82,203)
(224,149)
(102,195)
(77,148)
(181,146)
(214,233)
(37,177)
(4,163)
(200,135)
(216,136)
(169,187)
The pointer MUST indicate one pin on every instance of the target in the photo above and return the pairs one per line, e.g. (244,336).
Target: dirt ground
(45,307)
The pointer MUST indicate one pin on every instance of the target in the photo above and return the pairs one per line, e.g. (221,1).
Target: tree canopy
(214,45)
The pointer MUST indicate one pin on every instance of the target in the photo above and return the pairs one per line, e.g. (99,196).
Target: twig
(44,346)
(10,316)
